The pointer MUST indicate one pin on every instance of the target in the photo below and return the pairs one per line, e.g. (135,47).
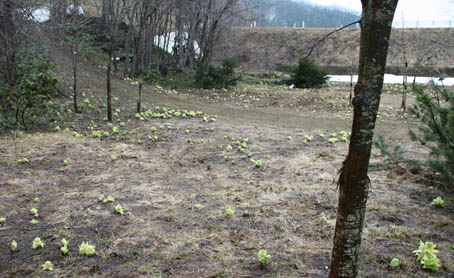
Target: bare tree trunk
(404,88)
(9,40)
(139,100)
(180,34)
(109,83)
(74,58)
(353,181)
(107,11)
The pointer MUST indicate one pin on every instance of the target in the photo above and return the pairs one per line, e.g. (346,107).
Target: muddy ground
(174,178)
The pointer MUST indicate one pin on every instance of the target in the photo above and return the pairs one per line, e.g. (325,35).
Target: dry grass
(287,207)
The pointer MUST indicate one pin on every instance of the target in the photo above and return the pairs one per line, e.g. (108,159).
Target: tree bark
(74,58)
(9,41)
(180,35)
(109,83)
(376,26)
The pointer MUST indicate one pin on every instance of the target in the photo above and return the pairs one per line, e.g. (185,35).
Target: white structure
(40,15)
(74,10)
(168,45)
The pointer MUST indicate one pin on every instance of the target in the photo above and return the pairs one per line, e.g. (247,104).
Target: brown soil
(287,207)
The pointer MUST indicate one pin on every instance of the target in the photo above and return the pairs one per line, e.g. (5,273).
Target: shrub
(152,76)
(308,74)
(26,101)
(437,129)
(210,76)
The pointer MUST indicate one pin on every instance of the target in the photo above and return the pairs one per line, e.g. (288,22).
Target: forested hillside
(285,13)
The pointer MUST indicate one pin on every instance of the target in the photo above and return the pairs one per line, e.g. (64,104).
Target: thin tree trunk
(74,58)
(180,35)
(404,89)
(139,100)
(9,41)
(109,83)
(353,182)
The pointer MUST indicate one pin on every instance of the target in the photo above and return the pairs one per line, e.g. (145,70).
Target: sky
(416,13)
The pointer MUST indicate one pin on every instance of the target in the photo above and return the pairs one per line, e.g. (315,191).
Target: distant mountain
(288,13)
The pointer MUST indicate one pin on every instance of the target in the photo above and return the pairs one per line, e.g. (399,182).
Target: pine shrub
(308,74)
(210,76)
(436,112)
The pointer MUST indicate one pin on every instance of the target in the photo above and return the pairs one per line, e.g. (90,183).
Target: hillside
(270,49)
(286,13)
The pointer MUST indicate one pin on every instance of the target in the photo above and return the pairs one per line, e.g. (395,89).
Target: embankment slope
(270,49)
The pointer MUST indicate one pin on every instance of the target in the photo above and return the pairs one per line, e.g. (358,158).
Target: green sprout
(258,163)
(198,206)
(229,211)
(96,134)
(333,140)
(263,256)
(65,162)
(64,249)
(438,202)
(229,147)
(34,211)
(110,198)
(37,243)
(22,160)
(34,221)
(119,209)
(2,220)
(395,262)
(114,130)
(427,255)
(57,128)
(13,245)
(48,266)
(308,138)
(86,249)
(36,200)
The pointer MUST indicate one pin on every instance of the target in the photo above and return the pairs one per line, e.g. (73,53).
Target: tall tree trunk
(180,34)
(376,25)
(74,58)
(107,11)
(9,41)
(109,82)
